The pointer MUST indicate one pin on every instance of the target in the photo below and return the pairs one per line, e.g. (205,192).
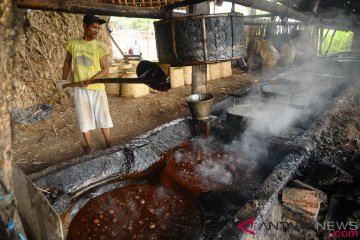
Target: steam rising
(293,96)
(214,170)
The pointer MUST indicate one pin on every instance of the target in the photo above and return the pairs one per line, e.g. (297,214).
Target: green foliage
(342,41)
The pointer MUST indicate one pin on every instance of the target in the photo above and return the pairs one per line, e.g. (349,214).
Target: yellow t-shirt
(86,57)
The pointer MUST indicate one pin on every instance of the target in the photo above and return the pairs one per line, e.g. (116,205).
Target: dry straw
(113,88)
(208,78)
(225,69)
(214,70)
(176,77)
(133,90)
(187,75)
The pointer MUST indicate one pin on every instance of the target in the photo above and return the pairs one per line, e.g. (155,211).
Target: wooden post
(199,72)
(332,38)
(8,29)
(316,38)
(315,6)
(321,41)
(199,79)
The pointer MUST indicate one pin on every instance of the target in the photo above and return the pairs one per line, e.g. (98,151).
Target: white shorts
(92,109)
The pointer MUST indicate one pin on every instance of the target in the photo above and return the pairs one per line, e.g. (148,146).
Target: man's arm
(67,66)
(104,63)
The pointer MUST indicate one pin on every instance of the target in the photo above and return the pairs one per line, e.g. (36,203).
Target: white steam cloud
(294,95)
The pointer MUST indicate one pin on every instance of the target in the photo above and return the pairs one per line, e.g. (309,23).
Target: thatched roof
(141,3)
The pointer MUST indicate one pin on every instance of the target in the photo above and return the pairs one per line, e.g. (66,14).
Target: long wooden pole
(262,22)
(332,38)
(273,7)
(321,41)
(316,5)
(90,7)
(282,10)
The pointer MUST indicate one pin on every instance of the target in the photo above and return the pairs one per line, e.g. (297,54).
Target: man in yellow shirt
(89,60)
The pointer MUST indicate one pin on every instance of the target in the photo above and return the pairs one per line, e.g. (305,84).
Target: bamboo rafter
(141,3)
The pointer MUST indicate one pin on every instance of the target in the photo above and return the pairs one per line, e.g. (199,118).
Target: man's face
(92,30)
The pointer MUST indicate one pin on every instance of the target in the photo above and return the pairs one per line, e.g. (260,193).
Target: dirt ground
(58,139)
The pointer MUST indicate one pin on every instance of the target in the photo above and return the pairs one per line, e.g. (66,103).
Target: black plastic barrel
(200,39)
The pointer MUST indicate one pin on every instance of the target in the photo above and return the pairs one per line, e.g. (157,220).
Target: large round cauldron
(200,39)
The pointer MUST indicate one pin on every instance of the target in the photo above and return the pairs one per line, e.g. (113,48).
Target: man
(89,59)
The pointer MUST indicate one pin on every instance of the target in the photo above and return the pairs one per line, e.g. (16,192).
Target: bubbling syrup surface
(198,169)
(147,211)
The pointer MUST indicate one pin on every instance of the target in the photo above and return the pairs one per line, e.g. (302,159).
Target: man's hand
(82,84)
(60,84)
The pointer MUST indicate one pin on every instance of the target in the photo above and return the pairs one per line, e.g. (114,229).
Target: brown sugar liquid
(162,209)
(184,166)
(137,212)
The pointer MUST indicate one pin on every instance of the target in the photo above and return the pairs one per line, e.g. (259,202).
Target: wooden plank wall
(39,218)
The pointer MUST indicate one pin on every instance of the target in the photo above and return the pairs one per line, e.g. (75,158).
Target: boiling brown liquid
(137,212)
(187,167)
(156,210)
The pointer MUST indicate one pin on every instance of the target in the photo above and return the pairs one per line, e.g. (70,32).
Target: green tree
(342,41)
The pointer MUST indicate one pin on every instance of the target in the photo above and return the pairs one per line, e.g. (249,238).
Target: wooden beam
(321,41)
(90,7)
(282,10)
(315,7)
(42,221)
(332,38)
(260,15)
(262,22)
(273,7)
(248,21)
(303,202)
